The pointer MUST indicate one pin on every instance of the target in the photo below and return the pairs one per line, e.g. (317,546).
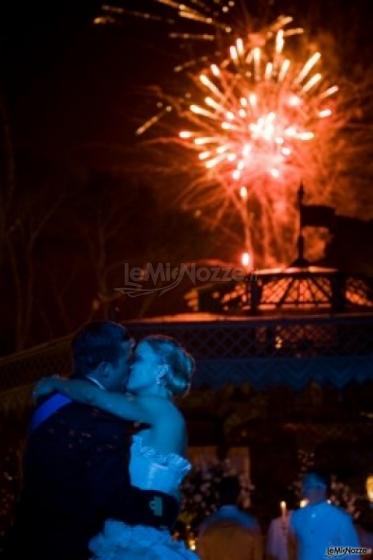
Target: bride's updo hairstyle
(180,363)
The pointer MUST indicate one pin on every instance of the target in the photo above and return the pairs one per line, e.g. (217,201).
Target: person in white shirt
(278,531)
(321,530)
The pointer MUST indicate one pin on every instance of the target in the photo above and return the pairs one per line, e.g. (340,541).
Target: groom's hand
(164,510)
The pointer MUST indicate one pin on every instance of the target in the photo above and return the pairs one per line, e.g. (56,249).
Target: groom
(76,461)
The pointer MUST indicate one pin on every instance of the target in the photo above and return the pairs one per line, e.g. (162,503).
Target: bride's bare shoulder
(161,406)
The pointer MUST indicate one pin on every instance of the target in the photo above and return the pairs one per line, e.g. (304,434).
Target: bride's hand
(44,387)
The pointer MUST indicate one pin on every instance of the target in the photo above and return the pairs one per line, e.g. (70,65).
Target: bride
(161,370)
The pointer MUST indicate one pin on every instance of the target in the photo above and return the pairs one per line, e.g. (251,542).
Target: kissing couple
(105,453)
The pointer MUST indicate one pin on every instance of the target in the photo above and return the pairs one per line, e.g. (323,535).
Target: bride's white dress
(149,470)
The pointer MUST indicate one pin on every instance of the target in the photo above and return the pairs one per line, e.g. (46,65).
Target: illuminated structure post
(300,261)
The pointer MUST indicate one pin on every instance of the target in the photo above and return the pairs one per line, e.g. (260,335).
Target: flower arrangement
(200,490)
(306,460)
(341,495)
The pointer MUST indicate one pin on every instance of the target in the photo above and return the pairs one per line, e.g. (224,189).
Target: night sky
(74,94)
(72,86)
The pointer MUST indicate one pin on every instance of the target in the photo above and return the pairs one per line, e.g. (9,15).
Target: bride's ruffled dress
(149,470)
(119,541)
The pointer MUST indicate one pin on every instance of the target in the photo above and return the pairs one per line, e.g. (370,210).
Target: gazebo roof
(293,289)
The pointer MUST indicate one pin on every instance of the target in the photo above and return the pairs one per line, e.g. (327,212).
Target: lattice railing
(292,337)
(264,351)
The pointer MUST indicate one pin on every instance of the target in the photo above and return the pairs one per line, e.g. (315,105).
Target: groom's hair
(96,342)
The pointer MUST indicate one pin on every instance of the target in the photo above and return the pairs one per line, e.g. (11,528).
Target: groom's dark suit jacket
(75,477)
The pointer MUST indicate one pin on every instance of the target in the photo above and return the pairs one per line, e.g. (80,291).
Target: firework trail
(212,16)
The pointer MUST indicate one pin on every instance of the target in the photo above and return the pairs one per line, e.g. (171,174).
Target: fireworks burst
(258,117)
(256,125)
